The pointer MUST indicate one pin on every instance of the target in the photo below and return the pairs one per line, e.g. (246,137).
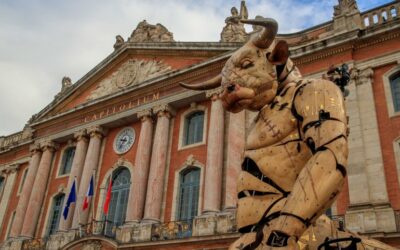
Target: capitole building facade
(173,155)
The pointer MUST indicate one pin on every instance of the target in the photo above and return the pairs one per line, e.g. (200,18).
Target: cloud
(41,40)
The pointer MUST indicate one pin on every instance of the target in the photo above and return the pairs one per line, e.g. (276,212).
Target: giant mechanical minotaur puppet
(296,150)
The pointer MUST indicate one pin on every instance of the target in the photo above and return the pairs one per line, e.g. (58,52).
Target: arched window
(393,12)
(194,124)
(395,88)
(189,185)
(55,214)
(67,159)
(121,181)
(366,22)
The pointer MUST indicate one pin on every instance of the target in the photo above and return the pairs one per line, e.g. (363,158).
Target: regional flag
(108,197)
(71,198)
(89,194)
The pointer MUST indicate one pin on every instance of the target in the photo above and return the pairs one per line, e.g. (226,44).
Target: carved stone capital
(164,110)
(49,145)
(13,168)
(96,131)
(213,93)
(362,76)
(35,148)
(81,135)
(145,115)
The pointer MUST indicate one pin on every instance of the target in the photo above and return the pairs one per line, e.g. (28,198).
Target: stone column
(215,153)
(137,194)
(76,172)
(91,164)
(369,209)
(155,185)
(38,190)
(23,201)
(366,173)
(236,144)
(11,174)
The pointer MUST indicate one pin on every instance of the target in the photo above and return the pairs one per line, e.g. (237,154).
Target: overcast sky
(42,41)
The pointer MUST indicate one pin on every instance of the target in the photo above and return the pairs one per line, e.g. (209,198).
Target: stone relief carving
(130,73)
(119,41)
(234,30)
(345,7)
(91,245)
(146,32)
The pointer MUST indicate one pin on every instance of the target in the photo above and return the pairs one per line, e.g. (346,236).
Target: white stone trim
(396,151)
(60,160)
(193,108)
(190,162)
(49,208)
(388,90)
(103,186)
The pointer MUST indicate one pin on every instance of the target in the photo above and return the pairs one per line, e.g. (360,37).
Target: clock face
(124,140)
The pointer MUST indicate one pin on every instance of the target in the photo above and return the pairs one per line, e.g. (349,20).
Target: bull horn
(209,84)
(264,38)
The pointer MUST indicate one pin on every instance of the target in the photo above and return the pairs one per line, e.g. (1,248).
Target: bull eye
(247,64)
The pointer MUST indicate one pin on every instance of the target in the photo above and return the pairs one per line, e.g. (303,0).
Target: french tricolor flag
(89,194)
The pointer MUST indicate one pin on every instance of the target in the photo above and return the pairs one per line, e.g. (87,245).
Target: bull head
(249,79)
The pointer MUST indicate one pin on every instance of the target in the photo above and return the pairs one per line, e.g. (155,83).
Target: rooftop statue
(146,32)
(296,151)
(234,30)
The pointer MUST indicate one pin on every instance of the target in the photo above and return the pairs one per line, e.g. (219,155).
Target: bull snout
(235,96)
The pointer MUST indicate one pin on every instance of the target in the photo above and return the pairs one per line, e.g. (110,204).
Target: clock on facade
(124,140)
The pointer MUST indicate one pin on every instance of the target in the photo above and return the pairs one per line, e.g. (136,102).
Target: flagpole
(106,221)
(92,201)
(79,213)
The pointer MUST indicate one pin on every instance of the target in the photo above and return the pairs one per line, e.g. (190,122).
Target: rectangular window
(67,159)
(55,214)
(194,124)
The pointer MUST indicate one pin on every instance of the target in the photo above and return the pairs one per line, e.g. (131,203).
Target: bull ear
(280,54)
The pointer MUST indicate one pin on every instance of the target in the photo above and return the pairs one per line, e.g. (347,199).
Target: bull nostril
(230,88)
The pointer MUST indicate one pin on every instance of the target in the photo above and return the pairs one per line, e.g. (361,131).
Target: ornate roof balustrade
(380,15)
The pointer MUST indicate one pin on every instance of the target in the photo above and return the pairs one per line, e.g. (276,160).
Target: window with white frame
(193,128)
(66,163)
(395,88)
(55,214)
(188,195)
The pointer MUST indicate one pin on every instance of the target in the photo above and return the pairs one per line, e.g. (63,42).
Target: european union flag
(71,198)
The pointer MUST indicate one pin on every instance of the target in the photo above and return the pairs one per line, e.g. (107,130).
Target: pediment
(130,73)
(127,68)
